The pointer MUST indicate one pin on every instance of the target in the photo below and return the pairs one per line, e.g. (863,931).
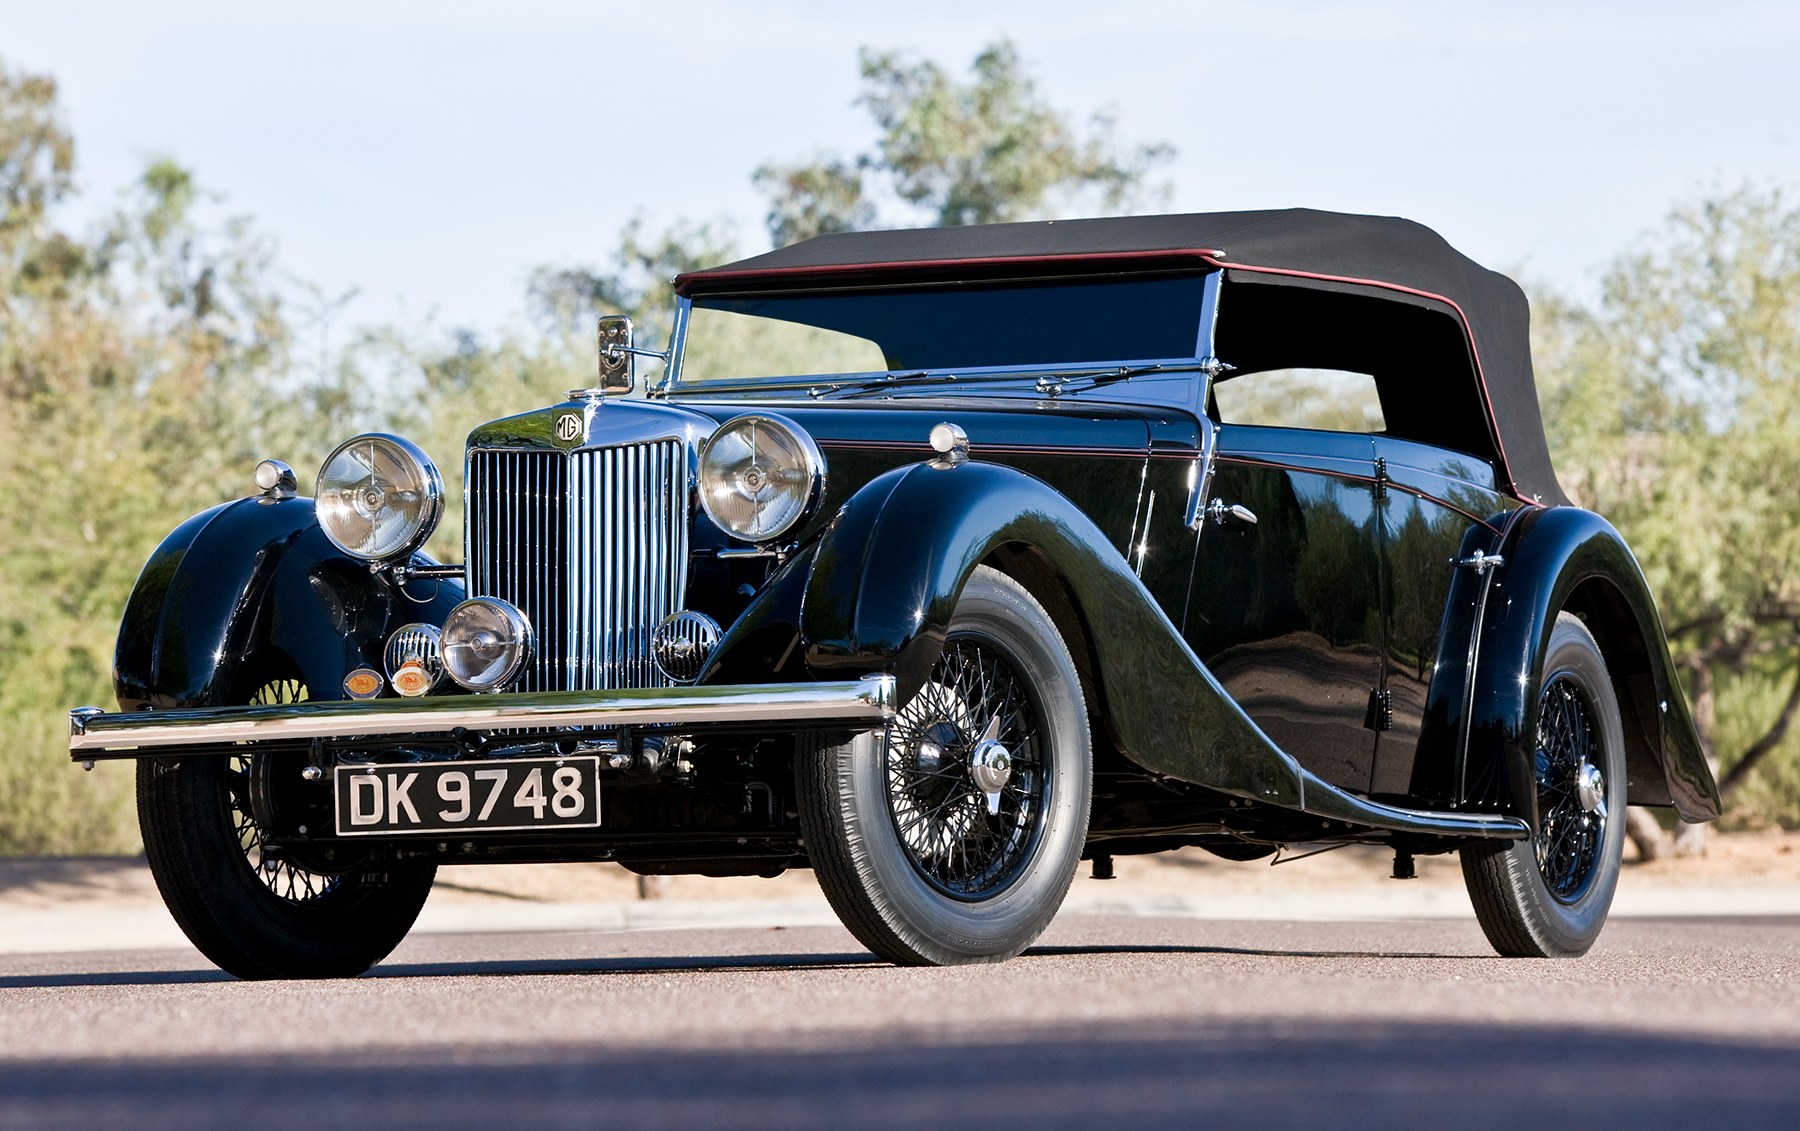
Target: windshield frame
(1035,379)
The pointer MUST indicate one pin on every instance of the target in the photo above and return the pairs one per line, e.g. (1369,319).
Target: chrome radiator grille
(592,546)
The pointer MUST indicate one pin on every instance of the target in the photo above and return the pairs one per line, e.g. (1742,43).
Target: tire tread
(835,844)
(239,927)
(1516,911)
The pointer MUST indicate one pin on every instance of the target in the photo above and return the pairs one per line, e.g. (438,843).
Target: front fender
(1565,558)
(891,564)
(257,581)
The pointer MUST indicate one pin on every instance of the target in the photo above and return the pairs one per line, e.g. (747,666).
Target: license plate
(452,797)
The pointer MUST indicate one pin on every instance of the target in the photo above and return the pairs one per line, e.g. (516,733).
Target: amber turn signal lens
(363,683)
(412,680)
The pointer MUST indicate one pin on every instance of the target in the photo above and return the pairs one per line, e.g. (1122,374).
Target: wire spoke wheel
(940,811)
(952,835)
(210,824)
(286,880)
(1547,895)
(1570,836)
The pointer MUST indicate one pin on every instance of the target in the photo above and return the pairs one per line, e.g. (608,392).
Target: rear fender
(1565,558)
(256,580)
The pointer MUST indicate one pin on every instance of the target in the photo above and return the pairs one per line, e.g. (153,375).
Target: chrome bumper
(855,704)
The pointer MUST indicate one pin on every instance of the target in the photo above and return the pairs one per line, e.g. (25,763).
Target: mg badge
(568,427)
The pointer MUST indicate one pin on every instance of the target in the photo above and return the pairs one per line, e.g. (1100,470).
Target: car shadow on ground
(96,978)
(684,964)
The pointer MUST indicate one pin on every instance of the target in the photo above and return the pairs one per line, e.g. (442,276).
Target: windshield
(938,328)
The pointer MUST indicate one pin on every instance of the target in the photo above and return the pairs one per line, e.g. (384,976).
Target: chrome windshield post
(1200,475)
(677,346)
(1204,343)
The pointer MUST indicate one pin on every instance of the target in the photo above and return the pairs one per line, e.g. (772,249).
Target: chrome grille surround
(591,544)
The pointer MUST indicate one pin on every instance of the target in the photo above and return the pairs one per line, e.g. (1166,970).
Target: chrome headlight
(760,476)
(485,643)
(379,497)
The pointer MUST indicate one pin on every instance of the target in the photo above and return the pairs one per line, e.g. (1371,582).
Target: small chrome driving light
(414,659)
(760,476)
(683,643)
(950,442)
(379,497)
(276,480)
(485,643)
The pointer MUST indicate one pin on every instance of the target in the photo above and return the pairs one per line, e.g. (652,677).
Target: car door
(1285,608)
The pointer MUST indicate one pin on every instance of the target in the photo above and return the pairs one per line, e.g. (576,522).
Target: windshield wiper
(886,380)
(1081,380)
(1054,383)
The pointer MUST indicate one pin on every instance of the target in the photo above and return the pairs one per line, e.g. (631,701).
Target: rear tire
(897,823)
(1547,897)
(254,914)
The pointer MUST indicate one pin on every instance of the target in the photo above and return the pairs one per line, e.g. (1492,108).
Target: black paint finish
(1286,611)
(257,579)
(1566,558)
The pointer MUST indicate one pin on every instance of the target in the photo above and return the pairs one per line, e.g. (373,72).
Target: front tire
(252,912)
(928,852)
(1547,897)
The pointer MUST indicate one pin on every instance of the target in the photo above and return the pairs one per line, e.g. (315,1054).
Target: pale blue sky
(432,153)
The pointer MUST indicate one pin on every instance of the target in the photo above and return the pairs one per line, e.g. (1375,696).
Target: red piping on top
(1217,260)
(682,281)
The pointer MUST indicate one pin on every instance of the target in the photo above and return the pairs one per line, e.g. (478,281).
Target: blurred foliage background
(148,361)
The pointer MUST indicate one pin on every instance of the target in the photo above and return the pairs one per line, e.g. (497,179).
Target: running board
(1322,799)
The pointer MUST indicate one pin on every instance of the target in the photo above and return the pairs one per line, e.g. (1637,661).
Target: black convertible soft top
(1380,251)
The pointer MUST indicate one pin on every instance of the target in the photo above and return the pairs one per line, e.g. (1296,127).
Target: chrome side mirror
(618,375)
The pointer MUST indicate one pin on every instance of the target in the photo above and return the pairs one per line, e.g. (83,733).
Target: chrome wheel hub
(1590,788)
(990,767)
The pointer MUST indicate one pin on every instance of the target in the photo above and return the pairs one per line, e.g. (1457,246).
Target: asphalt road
(1110,1022)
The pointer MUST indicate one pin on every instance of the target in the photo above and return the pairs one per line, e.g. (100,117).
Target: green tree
(980,152)
(141,375)
(37,166)
(983,151)
(1674,408)
(815,199)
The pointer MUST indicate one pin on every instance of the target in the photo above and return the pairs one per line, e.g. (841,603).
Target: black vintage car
(935,561)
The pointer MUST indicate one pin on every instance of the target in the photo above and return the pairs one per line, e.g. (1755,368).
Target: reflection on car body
(935,561)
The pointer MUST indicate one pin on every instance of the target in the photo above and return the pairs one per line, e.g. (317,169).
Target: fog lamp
(414,659)
(486,643)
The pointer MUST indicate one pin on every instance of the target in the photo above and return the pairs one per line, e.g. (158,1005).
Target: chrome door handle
(1218,511)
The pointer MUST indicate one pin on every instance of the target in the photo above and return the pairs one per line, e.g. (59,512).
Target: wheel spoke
(940,815)
(285,880)
(1569,839)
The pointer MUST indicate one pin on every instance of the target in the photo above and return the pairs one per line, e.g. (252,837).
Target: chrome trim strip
(868,701)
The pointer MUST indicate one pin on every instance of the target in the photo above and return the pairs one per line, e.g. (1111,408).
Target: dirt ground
(1732,860)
